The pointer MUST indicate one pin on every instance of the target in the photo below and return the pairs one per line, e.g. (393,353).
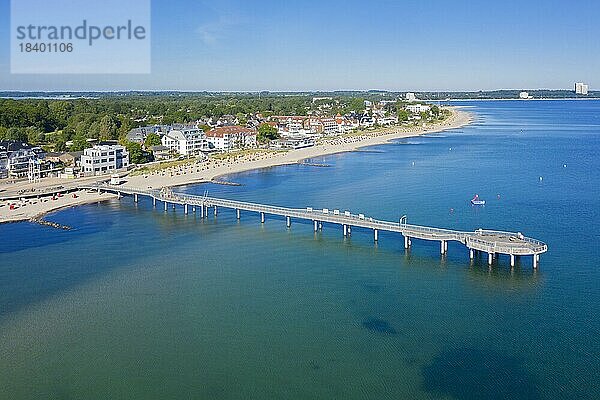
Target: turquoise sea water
(136,303)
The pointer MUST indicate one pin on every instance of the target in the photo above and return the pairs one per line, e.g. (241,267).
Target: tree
(79,143)
(108,128)
(60,145)
(356,104)
(34,136)
(266,133)
(16,134)
(241,117)
(94,130)
(435,111)
(152,140)
(402,115)
(136,154)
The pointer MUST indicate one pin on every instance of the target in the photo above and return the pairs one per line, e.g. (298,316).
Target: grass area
(162,165)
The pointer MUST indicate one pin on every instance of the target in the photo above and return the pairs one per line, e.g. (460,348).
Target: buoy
(541,179)
(564,165)
(413,163)
(498,197)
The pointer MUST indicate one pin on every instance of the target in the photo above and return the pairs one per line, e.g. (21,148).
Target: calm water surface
(137,303)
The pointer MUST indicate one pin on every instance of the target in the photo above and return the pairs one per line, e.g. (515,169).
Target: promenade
(491,242)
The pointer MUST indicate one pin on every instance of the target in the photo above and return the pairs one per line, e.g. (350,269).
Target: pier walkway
(487,241)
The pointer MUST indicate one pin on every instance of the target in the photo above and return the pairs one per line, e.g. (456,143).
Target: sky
(427,45)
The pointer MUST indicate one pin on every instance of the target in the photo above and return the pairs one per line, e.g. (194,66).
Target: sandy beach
(213,168)
(31,209)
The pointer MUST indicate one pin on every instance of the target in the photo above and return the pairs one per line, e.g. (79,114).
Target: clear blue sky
(334,45)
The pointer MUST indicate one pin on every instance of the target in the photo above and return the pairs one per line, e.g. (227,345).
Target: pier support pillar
(237,213)
(288,221)
(154,202)
(443,246)
(135,198)
(536,258)
(375,235)
(349,230)
(406,242)
(185,209)
(194,209)
(216,211)
(345,229)
(471,254)
(202,210)
(118,195)
(262,217)
(320,226)
(490,258)
(166,205)
(316,224)
(173,206)
(512,260)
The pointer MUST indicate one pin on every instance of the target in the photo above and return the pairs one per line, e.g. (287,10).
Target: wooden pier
(490,242)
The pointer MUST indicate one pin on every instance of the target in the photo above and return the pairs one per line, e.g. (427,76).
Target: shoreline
(216,169)
(33,210)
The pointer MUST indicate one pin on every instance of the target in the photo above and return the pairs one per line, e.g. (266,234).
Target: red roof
(230,130)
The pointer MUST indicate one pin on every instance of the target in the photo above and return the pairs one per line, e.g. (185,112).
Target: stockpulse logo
(100,37)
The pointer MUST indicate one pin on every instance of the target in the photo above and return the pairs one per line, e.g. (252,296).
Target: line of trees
(54,122)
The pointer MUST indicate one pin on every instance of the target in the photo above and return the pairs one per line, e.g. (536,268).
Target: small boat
(476,201)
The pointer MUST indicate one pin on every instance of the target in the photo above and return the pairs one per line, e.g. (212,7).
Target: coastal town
(163,155)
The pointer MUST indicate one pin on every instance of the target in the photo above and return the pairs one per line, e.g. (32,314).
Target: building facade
(226,138)
(581,88)
(16,157)
(186,141)
(104,158)
(418,108)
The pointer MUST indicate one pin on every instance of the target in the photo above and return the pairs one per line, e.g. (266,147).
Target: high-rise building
(411,97)
(581,88)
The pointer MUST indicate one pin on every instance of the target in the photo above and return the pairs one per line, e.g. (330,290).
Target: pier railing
(490,241)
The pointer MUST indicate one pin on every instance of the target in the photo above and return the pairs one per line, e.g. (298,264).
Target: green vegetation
(266,133)
(402,115)
(54,122)
(152,139)
(136,154)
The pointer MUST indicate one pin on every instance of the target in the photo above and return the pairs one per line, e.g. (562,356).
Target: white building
(104,158)
(410,96)
(227,138)
(524,96)
(581,88)
(290,125)
(186,141)
(330,126)
(387,121)
(418,108)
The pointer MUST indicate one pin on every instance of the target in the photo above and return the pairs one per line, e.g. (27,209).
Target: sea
(138,303)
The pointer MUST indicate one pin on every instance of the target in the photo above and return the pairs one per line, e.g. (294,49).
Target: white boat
(476,201)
